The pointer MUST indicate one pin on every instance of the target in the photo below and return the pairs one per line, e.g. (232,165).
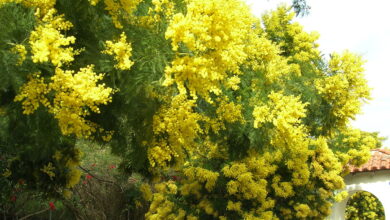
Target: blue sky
(362,27)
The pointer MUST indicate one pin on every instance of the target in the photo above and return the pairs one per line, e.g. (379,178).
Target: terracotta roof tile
(380,160)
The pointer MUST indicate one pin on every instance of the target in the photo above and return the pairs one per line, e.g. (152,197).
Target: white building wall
(377,183)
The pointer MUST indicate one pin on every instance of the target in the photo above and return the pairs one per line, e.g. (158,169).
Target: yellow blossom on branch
(47,42)
(121,50)
(20,49)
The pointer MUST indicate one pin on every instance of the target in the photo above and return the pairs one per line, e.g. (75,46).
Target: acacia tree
(245,116)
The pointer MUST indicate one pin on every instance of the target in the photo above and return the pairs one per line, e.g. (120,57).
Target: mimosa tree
(244,115)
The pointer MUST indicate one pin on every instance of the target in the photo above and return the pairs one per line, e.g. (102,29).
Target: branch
(35,213)
(26,200)
(102,180)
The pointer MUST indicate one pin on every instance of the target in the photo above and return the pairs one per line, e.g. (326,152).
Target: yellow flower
(121,50)
(341,196)
(217,42)
(42,5)
(93,2)
(67,194)
(234,206)
(146,192)
(7,173)
(73,177)
(345,88)
(74,92)
(32,94)
(21,51)
(49,170)
(302,210)
(47,42)
(229,111)
(202,175)
(176,127)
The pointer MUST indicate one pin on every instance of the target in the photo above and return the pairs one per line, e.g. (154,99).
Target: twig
(102,180)
(35,213)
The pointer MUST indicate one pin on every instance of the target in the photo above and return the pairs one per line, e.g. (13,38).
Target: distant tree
(300,7)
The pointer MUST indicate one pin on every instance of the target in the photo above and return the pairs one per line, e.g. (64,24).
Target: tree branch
(35,213)
(100,179)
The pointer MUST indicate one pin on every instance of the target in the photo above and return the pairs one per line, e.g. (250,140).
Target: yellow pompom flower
(47,42)
(49,170)
(302,210)
(33,93)
(73,93)
(146,192)
(217,42)
(20,49)
(121,50)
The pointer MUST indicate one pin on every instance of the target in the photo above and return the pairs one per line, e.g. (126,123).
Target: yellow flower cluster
(146,192)
(47,42)
(202,176)
(43,5)
(325,165)
(288,135)
(161,207)
(341,196)
(249,182)
(74,93)
(121,51)
(345,88)
(364,205)
(229,111)
(216,42)
(49,170)
(208,208)
(234,206)
(20,49)
(71,163)
(191,188)
(93,2)
(255,179)
(282,188)
(7,173)
(166,187)
(119,9)
(161,10)
(122,12)
(245,184)
(232,83)
(160,154)
(264,57)
(210,149)
(353,147)
(176,127)
(283,111)
(303,210)
(73,177)
(299,44)
(33,93)
(67,194)
(69,96)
